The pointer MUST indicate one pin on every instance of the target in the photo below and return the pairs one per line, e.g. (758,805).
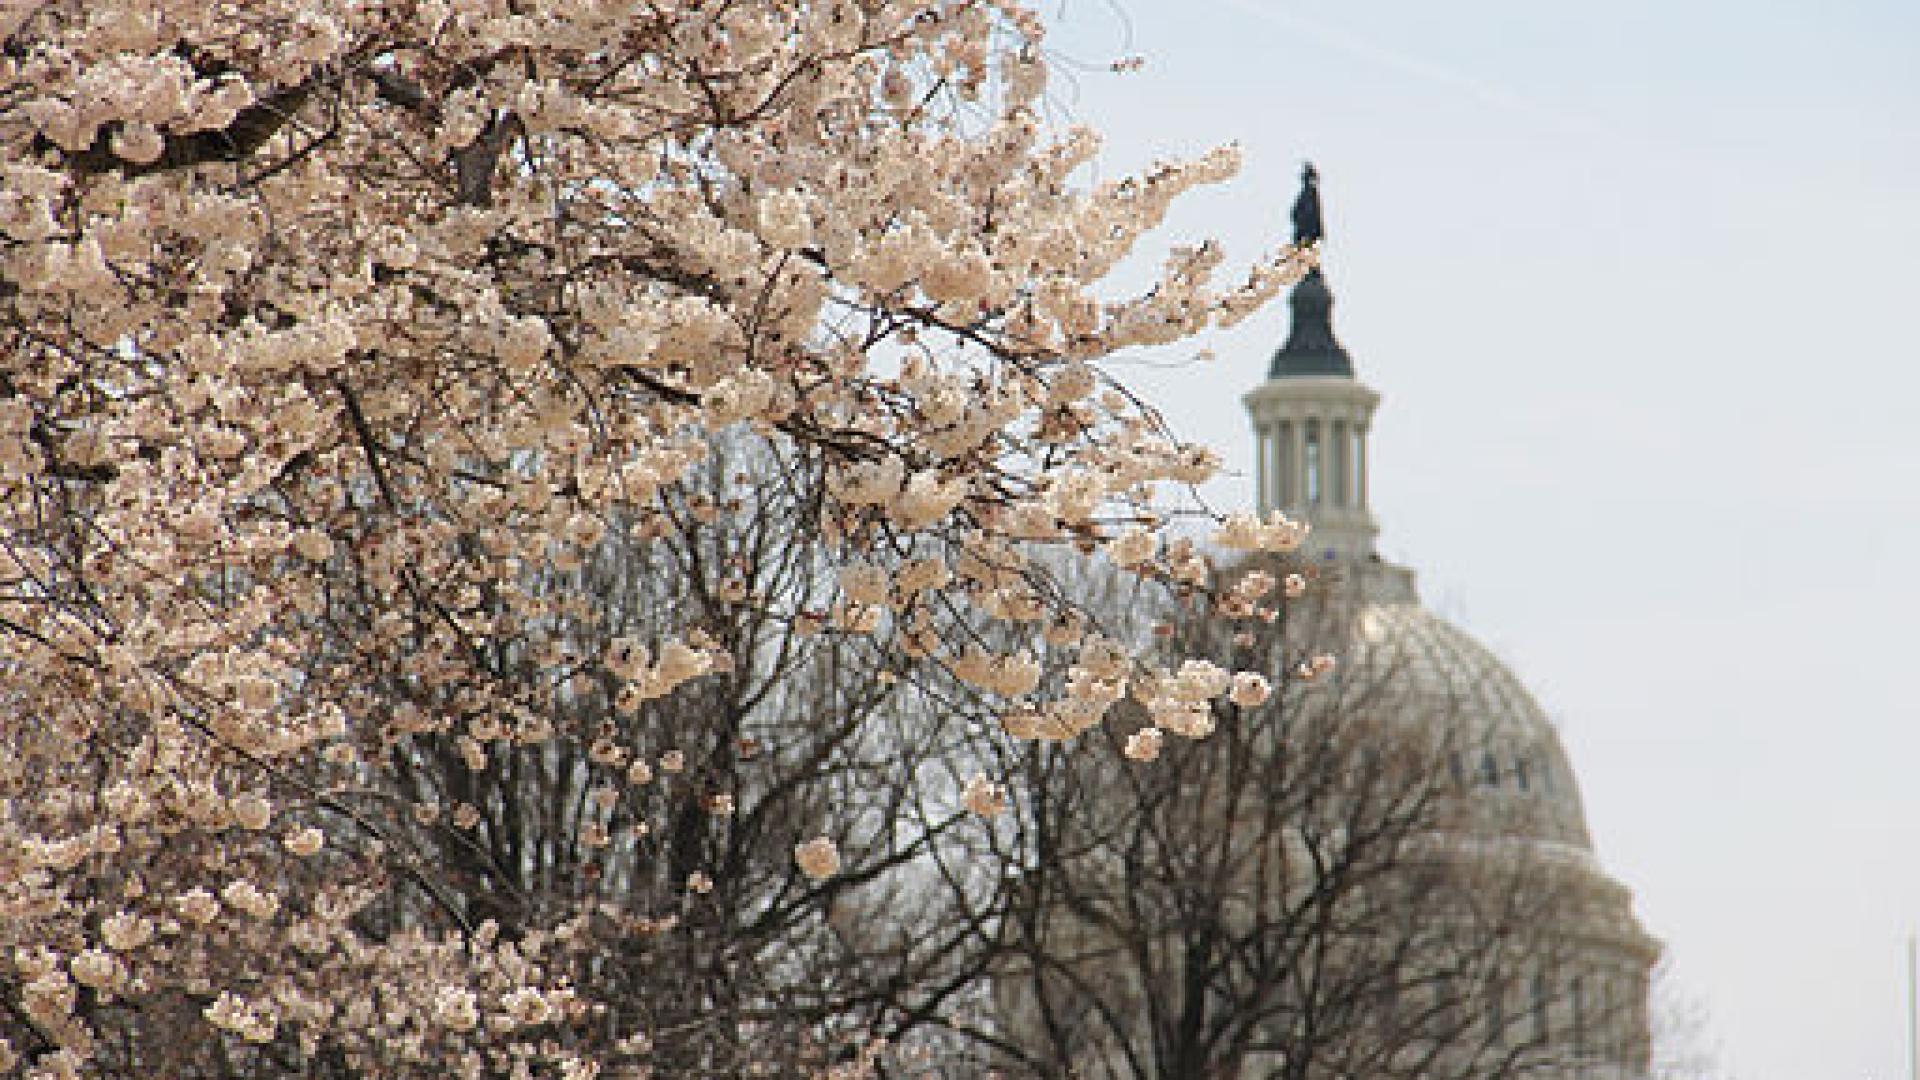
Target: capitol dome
(1503,754)
(1508,792)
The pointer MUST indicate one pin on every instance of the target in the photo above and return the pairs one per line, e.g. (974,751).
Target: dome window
(1489,770)
(1520,772)
(1313,478)
(1542,1004)
(1579,1003)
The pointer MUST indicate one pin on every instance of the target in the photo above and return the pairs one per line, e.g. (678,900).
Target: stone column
(1338,463)
(1360,465)
(1277,464)
(1297,468)
(1260,465)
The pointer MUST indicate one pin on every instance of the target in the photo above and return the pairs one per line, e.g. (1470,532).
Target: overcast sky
(1638,281)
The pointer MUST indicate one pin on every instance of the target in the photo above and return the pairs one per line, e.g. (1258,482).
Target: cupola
(1311,417)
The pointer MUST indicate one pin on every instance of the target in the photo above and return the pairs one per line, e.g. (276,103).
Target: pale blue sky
(1639,282)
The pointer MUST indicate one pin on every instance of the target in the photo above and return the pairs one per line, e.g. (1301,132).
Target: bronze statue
(1311,348)
(1307,226)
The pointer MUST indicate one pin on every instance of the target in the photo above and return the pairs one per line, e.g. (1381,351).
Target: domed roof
(1311,350)
(1505,757)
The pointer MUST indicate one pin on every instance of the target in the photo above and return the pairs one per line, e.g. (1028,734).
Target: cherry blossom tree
(344,351)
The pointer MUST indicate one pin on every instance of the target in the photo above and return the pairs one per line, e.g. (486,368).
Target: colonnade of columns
(1310,435)
(1309,462)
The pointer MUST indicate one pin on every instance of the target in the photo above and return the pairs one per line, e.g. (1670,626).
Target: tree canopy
(479,480)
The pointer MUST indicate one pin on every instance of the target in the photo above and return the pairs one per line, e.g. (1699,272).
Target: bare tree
(1312,890)
(1681,1029)
(675,820)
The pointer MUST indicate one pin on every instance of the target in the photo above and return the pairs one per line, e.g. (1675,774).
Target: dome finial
(1311,349)
(1308,228)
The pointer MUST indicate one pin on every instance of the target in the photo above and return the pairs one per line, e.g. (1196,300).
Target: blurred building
(1580,1001)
